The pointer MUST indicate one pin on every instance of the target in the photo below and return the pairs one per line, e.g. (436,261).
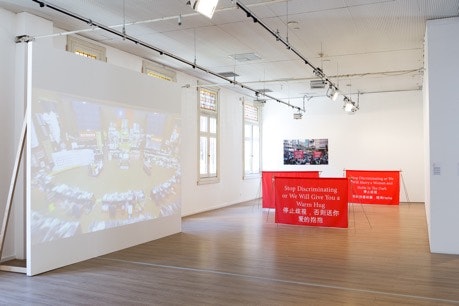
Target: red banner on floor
(268,178)
(311,201)
(374,187)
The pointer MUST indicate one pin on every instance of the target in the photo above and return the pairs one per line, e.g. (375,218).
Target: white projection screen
(103,159)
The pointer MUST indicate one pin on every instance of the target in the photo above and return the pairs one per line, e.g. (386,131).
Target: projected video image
(306,152)
(96,166)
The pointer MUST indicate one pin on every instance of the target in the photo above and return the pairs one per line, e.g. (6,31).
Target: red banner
(312,201)
(374,187)
(268,178)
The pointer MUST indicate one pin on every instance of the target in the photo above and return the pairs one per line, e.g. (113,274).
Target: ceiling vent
(317,84)
(228,74)
(264,90)
(245,57)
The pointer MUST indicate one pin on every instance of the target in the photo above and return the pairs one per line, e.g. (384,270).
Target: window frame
(86,48)
(208,178)
(254,123)
(158,71)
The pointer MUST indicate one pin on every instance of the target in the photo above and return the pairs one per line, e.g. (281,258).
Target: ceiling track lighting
(332,92)
(350,106)
(333,89)
(258,99)
(151,47)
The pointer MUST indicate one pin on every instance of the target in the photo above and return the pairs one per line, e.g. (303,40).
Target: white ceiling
(361,45)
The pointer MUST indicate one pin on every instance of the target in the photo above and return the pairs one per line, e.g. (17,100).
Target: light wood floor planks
(239,256)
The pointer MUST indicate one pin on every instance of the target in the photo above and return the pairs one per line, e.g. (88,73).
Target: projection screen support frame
(19,155)
(9,202)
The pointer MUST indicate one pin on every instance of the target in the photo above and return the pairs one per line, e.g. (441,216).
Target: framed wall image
(306,152)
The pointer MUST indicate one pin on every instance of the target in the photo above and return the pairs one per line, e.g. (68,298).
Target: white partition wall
(442,142)
(103,159)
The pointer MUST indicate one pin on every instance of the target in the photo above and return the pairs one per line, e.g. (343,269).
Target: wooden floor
(239,256)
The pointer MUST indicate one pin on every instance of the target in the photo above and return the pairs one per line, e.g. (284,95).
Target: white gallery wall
(442,142)
(232,188)
(385,134)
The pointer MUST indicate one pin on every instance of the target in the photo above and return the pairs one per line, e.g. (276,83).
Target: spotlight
(349,106)
(204,7)
(180,20)
(261,101)
(332,92)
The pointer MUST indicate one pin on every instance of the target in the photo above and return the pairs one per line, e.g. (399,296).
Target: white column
(442,141)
